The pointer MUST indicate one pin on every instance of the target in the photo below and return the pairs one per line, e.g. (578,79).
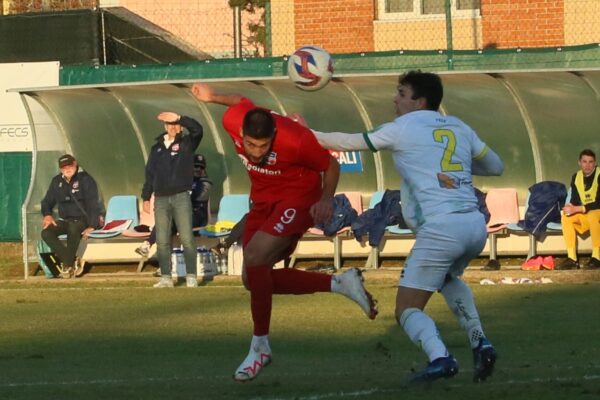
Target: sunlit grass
(124,340)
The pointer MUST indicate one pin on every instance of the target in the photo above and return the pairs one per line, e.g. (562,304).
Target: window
(414,9)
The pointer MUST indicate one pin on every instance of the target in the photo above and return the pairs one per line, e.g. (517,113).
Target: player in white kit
(436,156)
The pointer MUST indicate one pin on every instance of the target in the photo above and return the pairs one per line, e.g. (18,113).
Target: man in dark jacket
(169,175)
(76,194)
(200,195)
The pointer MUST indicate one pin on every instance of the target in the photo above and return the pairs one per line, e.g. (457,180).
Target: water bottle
(224,265)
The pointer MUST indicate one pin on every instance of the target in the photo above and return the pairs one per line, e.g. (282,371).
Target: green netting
(69,36)
(15,174)
(574,57)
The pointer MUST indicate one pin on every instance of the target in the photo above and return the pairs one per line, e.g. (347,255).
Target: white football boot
(258,357)
(350,284)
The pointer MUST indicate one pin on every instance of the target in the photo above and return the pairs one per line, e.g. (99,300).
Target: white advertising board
(15,128)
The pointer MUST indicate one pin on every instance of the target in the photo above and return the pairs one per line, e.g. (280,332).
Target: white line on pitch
(376,390)
(357,393)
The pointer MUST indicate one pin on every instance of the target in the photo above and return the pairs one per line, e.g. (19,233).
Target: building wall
(426,34)
(523,23)
(343,26)
(207,25)
(582,21)
(340,26)
(283,31)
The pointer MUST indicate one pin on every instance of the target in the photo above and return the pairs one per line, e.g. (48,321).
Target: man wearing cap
(75,193)
(169,176)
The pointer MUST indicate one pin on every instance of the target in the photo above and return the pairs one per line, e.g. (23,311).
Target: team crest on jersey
(272,159)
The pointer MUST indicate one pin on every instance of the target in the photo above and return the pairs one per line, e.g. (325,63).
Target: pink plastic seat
(503,206)
(146,218)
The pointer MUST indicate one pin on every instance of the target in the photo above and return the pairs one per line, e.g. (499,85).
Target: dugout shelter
(537,121)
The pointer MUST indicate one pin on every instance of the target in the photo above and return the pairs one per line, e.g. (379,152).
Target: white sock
(421,329)
(459,298)
(260,343)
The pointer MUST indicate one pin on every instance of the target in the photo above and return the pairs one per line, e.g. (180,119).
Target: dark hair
(424,84)
(587,152)
(259,124)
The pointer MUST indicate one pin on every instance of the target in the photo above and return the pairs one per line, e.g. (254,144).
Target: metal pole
(449,48)
(268,32)
(103,37)
(237,32)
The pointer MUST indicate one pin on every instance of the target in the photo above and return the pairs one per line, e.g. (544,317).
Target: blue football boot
(443,367)
(484,358)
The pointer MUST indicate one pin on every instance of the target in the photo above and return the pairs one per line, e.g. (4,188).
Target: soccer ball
(310,68)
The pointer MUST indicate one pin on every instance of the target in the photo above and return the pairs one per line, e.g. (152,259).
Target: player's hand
(146,206)
(47,221)
(299,119)
(322,211)
(202,92)
(169,117)
(86,232)
(570,209)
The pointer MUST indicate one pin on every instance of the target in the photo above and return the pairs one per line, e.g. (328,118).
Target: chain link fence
(263,28)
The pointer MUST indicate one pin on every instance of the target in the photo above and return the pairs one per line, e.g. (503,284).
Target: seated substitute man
(582,213)
(75,193)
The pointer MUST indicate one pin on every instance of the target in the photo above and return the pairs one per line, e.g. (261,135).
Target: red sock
(294,281)
(260,284)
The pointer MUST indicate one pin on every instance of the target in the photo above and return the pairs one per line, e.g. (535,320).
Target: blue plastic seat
(121,208)
(232,208)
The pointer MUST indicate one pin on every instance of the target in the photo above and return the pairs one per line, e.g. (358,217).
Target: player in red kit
(293,182)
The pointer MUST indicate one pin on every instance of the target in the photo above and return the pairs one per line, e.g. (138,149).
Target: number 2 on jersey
(446,161)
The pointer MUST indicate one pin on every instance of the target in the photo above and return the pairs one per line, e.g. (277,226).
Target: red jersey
(293,168)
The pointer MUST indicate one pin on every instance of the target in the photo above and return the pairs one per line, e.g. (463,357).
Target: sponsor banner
(15,129)
(15,137)
(350,161)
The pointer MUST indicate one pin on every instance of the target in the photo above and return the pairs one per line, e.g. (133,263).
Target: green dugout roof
(537,121)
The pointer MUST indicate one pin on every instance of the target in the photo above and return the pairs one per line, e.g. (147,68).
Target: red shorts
(285,218)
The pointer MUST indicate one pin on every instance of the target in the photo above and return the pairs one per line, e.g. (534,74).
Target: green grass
(127,341)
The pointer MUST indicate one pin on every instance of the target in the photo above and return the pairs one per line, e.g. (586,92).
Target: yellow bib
(587,196)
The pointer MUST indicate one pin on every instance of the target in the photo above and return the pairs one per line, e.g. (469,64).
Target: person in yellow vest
(582,213)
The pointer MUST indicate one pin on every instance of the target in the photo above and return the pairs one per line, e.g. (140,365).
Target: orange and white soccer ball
(310,68)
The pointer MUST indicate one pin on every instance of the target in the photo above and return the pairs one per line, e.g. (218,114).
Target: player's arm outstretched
(206,94)
(342,141)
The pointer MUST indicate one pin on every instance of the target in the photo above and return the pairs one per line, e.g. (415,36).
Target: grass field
(121,339)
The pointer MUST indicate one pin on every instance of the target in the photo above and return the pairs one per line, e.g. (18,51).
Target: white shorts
(444,246)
